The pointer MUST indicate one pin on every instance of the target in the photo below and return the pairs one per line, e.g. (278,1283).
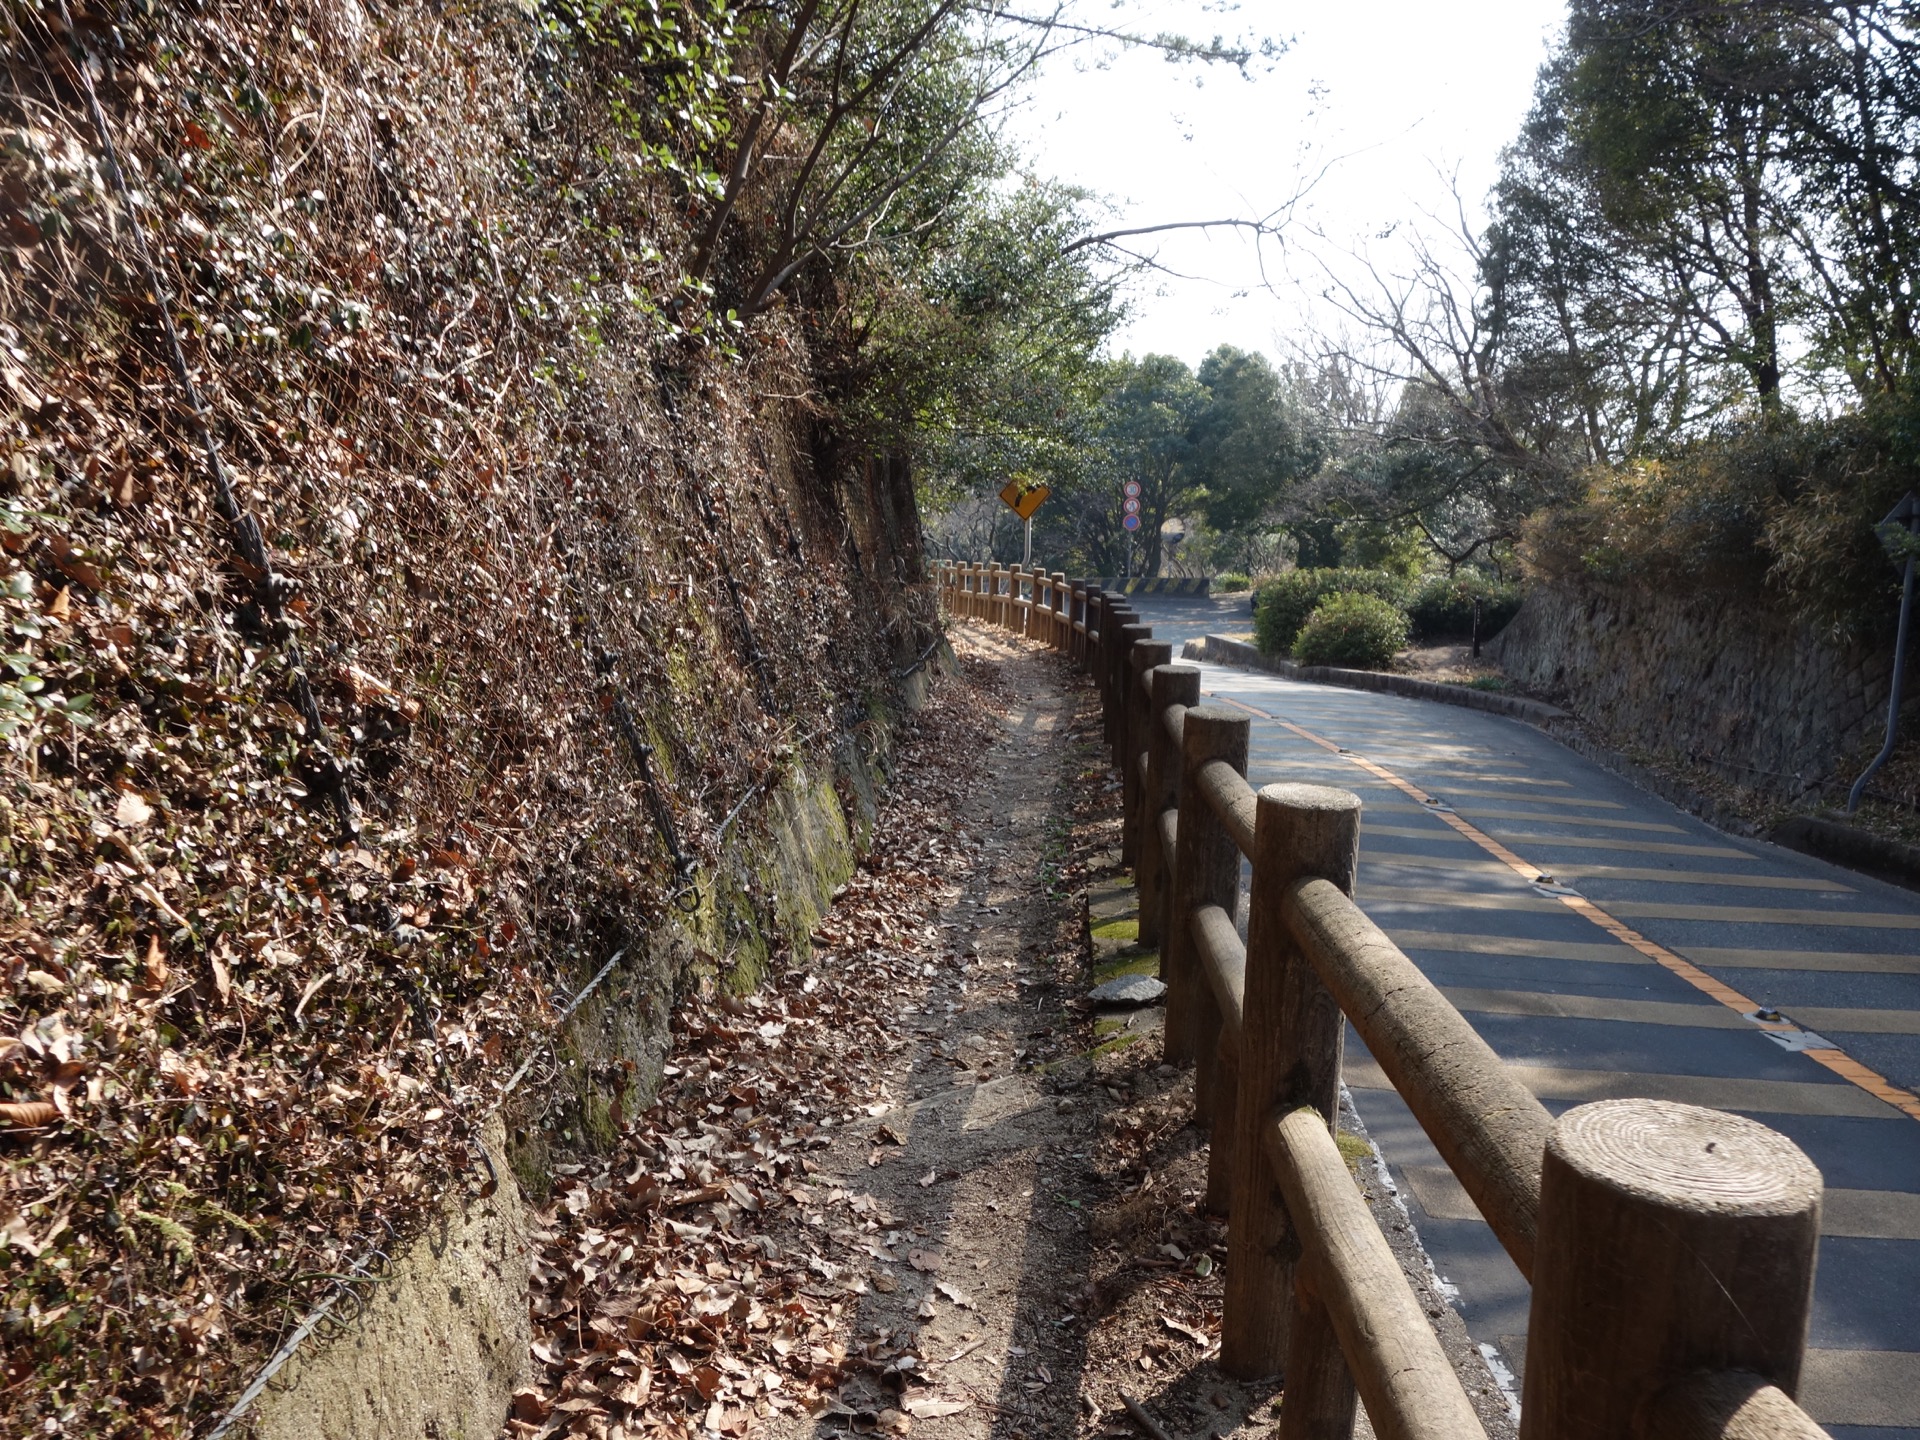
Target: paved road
(1631,973)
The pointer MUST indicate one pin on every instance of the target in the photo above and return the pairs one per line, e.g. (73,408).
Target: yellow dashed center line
(1836,1060)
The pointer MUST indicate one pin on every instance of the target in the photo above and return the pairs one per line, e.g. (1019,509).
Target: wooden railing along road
(1670,1248)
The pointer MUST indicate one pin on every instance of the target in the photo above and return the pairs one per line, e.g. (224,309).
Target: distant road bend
(1606,944)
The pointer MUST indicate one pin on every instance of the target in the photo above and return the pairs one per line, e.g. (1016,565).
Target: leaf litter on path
(706,1275)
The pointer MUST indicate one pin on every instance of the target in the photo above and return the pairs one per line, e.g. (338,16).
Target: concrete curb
(1844,845)
(1852,848)
(1219,650)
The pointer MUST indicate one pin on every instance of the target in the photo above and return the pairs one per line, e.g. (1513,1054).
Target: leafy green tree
(983,359)
(1148,420)
(1709,187)
(1687,160)
(1250,442)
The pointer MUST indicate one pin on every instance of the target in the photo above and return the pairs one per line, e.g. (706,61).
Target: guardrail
(1670,1248)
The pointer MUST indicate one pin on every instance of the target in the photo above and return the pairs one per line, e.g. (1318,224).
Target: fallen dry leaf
(1199,1337)
(928,1407)
(637,1390)
(529,1407)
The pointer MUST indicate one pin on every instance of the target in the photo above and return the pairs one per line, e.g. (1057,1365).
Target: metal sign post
(1130,518)
(1023,495)
(1900,533)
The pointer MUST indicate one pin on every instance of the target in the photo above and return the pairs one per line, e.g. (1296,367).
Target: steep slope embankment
(515,630)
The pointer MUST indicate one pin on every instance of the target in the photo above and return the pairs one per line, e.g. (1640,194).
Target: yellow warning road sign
(1024,495)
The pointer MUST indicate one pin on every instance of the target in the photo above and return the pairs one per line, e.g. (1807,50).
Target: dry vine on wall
(265,975)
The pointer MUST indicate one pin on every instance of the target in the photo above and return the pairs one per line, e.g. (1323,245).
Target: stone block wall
(1768,701)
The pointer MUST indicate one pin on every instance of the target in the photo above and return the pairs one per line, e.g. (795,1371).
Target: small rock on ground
(1128,990)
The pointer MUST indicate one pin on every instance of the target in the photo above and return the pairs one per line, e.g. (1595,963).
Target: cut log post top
(1673,1240)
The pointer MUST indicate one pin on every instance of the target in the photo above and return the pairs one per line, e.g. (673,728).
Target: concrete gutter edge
(1851,848)
(1219,650)
(1847,846)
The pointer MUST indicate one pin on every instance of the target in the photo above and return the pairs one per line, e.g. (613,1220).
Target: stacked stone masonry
(1768,701)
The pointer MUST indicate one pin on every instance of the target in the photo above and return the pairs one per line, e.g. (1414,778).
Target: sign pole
(1130,519)
(1026,557)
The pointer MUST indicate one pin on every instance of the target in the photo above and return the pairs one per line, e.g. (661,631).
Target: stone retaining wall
(440,1344)
(1768,701)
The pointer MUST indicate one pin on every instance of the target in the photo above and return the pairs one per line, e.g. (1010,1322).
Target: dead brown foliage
(239,1048)
(698,1278)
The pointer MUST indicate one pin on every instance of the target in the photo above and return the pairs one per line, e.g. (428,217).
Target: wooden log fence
(1670,1248)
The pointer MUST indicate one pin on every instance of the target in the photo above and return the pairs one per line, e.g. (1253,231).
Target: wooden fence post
(1206,871)
(1103,672)
(1062,617)
(1131,633)
(1109,630)
(1140,662)
(1673,1239)
(1114,642)
(1172,685)
(1103,662)
(1290,1056)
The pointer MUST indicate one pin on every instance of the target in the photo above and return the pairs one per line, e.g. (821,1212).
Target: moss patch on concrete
(1128,962)
(441,1345)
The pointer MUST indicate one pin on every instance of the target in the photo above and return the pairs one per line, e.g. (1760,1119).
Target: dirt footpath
(917,1184)
(1040,1244)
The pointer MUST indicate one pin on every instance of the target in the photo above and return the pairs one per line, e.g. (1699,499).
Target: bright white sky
(1401,95)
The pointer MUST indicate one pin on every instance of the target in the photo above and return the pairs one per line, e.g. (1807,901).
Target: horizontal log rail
(1398,1366)
(1670,1248)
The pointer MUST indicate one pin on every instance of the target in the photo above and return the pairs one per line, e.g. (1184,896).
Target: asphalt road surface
(1635,966)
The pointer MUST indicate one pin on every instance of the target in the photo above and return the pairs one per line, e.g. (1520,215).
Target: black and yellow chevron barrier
(1160,585)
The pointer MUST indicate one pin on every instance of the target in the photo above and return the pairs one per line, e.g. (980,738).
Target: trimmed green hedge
(1442,608)
(1230,584)
(1281,605)
(1351,629)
